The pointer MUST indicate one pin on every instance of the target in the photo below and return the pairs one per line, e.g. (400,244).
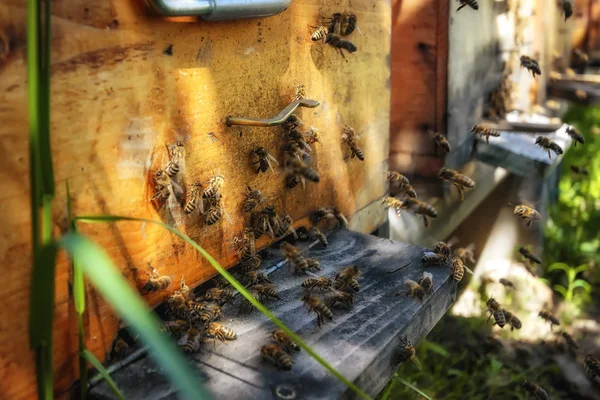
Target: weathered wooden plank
(118,96)
(361,343)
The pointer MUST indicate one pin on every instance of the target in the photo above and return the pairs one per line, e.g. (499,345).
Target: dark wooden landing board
(518,153)
(361,343)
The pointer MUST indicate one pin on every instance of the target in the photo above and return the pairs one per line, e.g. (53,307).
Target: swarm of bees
(338,25)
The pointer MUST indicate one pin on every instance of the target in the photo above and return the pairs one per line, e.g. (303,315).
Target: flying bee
(264,160)
(592,366)
(343,299)
(350,22)
(350,137)
(175,328)
(315,233)
(579,170)
(408,352)
(495,310)
(214,187)
(277,355)
(566,9)
(512,320)
(441,141)
(339,43)
(293,257)
(573,346)
(420,207)
(220,332)
(319,34)
(409,191)
(547,144)
(529,255)
(485,131)
(156,284)
(413,290)
(176,153)
(535,390)
(527,213)
(575,135)
(191,341)
(460,181)
(466,253)
(397,178)
(347,278)
(253,198)
(314,304)
(280,336)
(506,283)
(548,317)
(426,282)
(458,269)
(301,169)
(266,291)
(250,264)
(255,277)
(392,202)
(430,259)
(193,198)
(219,295)
(531,65)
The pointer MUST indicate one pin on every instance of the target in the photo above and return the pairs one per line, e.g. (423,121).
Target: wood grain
(117,98)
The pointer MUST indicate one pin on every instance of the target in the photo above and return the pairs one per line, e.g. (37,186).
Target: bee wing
(183,339)
(415,360)
(312,274)
(227,216)
(177,190)
(174,209)
(303,182)
(468,270)
(358,29)
(428,275)
(454,240)
(273,159)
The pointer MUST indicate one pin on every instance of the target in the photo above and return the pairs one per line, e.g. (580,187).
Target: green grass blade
(413,387)
(98,365)
(107,279)
(240,288)
(45,153)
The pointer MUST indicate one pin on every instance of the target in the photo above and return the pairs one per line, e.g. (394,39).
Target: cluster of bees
(338,25)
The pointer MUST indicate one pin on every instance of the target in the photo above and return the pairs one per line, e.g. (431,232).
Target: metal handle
(220,10)
(276,120)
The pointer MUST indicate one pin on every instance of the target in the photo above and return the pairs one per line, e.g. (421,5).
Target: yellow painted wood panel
(117,98)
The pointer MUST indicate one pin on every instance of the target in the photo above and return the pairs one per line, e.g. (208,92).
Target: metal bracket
(276,120)
(220,10)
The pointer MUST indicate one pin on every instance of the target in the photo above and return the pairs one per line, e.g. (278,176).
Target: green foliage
(577,292)
(86,355)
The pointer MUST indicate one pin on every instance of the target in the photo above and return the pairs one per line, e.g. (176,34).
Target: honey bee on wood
(208,312)
(531,65)
(392,202)
(339,43)
(156,284)
(184,290)
(573,346)
(426,282)
(314,304)
(459,181)
(548,317)
(250,264)
(512,320)
(575,135)
(458,269)
(315,233)
(302,170)
(471,3)
(321,283)
(547,144)
(191,341)
(214,212)
(175,328)
(266,291)
(214,188)
(343,299)
(326,214)
(466,253)
(350,24)
(259,223)
(579,170)
(396,178)
(285,227)
(421,208)
(220,332)
(293,257)
(264,160)
(163,187)
(177,305)
(176,162)
(274,352)
(350,137)
(413,290)
(291,181)
(254,198)
(300,92)
(193,199)
(592,366)
(408,352)
(347,278)
(535,390)
(313,136)
(529,255)
(319,34)
(335,23)
(246,247)
(218,295)
(529,214)
(441,141)
(283,338)
(506,283)
(495,310)
(566,9)
(484,131)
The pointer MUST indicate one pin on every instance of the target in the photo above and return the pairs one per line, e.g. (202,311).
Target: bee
(285,226)
(350,137)
(575,136)
(176,158)
(582,56)
(460,181)
(281,337)
(219,295)
(177,305)
(156,284)
(175,328)
(207,312)
(547,144)
(184,290)
(191,341)
(328,213)
(420,207)
(426,282)
(527,213)
(300,92)
(396,177)
(313,135)
(579,170)
(322,283)
(566,9)
(413,290)
(253,277)
(253,198)
(350,24)
(264,160)
(246,306)
(302,170)
(121,348)
(440,140)
(496,311)
(512,320)
(430,259)
(293,256)
(251,264)
(408,352)
(392,202)
(314,304)
(315,233)
(265,291)
(339,43)
(291,181)
(458,269)
(535,390)
(313,264)
(214,213)
(466,253)
(279,357)
(347,278)
(485,131)
(335,23)
(335,298)
(546,316)
(319,34)
(529,256)
(570,341)
(531,65)
(409,191)
(220,332)
(214,187)
(259,223)
(442,249)
(163,185)
(592,366)
(193,198)
(506,283)
(247,245)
